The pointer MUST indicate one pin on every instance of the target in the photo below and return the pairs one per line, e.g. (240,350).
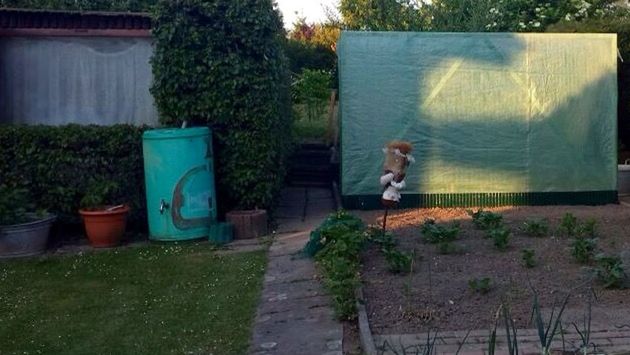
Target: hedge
(220,63)
(58,164)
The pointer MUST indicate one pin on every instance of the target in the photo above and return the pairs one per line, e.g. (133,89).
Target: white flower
(568,17)
(536,24)
(521,25)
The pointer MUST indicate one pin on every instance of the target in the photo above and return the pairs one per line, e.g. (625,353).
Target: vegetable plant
(397,261)
(14,204)
(568,225)
(588,228)
(527,255)
(546,333)
(434,233)
(482,285)
(536,227)
(485,219)
(583,249)
(610,271)
(500,237)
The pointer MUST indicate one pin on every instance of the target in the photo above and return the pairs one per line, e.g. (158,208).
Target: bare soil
(437,294)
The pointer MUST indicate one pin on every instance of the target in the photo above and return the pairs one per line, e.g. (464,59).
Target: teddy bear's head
(397,157)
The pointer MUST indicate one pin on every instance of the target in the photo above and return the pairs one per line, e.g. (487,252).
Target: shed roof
(21,20)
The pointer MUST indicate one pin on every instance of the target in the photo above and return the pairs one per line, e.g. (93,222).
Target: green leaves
(220,63)
(57,165)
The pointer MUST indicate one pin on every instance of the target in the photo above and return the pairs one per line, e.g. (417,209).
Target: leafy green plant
(325,232)
(536,227)
(500,237)
(221,64)
(384,240)
(337,244)
(99,194)
(588,228)
(485,219)
(583,249)
(610,271)
(482,285)
(527,255)
(434,233)
(57,165)
(312,89)
(397,261)
(14,204)
(569,224)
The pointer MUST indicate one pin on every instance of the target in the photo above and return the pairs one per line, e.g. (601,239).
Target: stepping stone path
(294,315)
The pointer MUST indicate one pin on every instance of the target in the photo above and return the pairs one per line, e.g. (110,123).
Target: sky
(313,10)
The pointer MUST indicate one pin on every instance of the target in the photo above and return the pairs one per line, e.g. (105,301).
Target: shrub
(536,227)
(220,63)
(482,285)
(568,225)
(312,89)
(397,261)
(610,270)
(500,237)
(339,241)
(485,219)
(58,164)
(527,255)
(583,249)
(434,233)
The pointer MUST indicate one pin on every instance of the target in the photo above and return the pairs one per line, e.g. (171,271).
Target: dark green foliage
(482,285)
(536,227)
(588,228)
(397,261)
(82,5)
(486,220)
(435,233)
(57,165)
(312,89)
(569,225)
(99,194)
(220,63)
(500,236)
(337,243)
(384,240)
(610,271)
(331,225)
(527,255)
(303,55)
(14,204)
(583,249)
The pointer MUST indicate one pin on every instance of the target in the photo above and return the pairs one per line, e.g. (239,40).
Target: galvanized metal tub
(25,239)
(623,179)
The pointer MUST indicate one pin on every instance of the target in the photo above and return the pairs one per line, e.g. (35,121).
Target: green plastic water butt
(179,174)
(495,118)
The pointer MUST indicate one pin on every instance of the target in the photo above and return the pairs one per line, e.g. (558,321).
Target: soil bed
(437,294)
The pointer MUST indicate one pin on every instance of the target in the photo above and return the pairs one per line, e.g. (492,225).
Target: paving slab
(294,315)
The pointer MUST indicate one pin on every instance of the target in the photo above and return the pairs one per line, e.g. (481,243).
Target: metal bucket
(25,239)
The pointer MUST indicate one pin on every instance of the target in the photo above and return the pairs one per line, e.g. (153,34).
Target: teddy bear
(397,159)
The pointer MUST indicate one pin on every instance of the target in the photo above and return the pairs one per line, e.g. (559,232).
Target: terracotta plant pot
(248,223)
(104,228)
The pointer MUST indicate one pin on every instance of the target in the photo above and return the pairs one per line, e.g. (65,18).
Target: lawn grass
(158,299)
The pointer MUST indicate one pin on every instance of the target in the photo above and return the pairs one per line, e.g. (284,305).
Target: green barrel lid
(168,133)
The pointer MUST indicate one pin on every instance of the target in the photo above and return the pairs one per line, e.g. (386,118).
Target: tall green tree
(383,15)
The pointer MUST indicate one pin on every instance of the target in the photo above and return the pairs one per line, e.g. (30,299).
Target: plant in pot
(104,222)
(22,232)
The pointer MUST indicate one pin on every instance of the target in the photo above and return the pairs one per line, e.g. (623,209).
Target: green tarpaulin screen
(495,118)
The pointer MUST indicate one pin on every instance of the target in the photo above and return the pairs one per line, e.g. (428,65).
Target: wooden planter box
(248,224)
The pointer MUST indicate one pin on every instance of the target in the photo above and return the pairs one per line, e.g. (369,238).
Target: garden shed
(60,67)
(495,118)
